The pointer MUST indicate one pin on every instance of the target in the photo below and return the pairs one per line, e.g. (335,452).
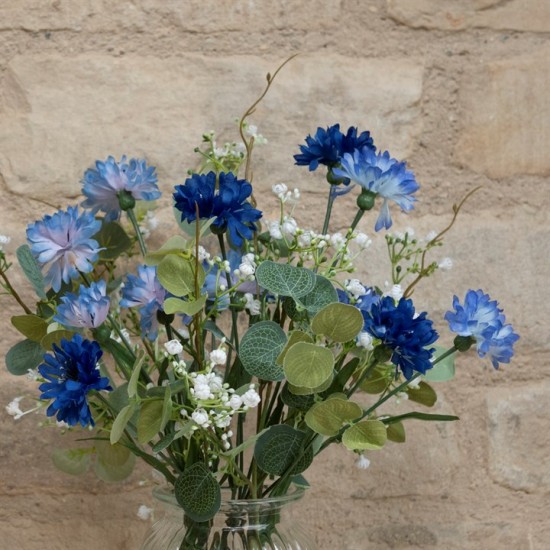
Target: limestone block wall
(458,89)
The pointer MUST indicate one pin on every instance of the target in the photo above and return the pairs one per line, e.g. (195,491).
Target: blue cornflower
(87,309)
(481,318)
(406,335)
(329,146)
(227,204)
(72,372)
(62,245)
(145,292)
(102,185)
(383,175)
(363,303)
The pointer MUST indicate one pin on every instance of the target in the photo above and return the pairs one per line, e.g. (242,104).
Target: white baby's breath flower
(337,240)
(355,288)
(430,236)
(362,462)
(4,239)
(235,402)
(252,305)
(144,512)
(289,227)
(364,340)
(252,131)
(32,374)
(274,229)
(446,264)
(304,239)
(296,193)
(173,347)
(204,255)
(362,241)
(396,292)
(280,190)
(200,417)
(13,408)
(218,357)
(251,398)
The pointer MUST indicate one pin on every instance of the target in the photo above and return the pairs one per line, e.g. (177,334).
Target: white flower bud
(200,417)
(251,398)
(218,357)
(274,229)
(235,402)
(289,227)
(364,340)
(279,189)
(362,241)
(362,463)
(355,288)
(253,306)
(173,347)
(337,240)
(446,264)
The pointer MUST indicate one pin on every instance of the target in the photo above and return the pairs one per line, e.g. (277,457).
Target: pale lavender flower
(88,309)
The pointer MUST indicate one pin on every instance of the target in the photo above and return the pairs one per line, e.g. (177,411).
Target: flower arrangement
(231,355)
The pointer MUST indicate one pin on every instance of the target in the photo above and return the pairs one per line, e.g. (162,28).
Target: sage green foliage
(280,448)
(113,462)
(338,322)
(177,274)
(328,417)
(32,327)
(442,371)
(198,492)
(307,365)
(72,461)
(322,294)
(31,270)
(260,347)
(186,307)
(366,435)
(23,356)
(113,240)
(294,337)
(396,432)
(151,421)
(285,279)
(424,394)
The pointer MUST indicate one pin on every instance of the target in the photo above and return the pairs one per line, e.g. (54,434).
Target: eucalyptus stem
(13,292)
(328,212)
(133,220)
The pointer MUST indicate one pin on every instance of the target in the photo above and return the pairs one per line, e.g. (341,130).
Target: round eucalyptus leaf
(322,295)
(396,432)
(285,279)
(177,274)
(338,322)
(150,420)
(281,446)
(424,394)
(295,337)
(72,461)
(443,370)
(307,365)
(112,473)
(365,435)
(55,337)
(299,390)
(300,402)
(23,356)
(198,492)
(260,347)
(328,417)
(32,327)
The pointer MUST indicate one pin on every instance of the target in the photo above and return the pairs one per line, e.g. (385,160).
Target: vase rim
(165,494)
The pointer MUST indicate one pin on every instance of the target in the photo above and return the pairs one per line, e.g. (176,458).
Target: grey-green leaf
(307,365)
(260,347)
(32,327)
(177,274)
(198,492)
(328,417)
(72,461)
(285,279)
(424,394)
(31,269)
(321,296)
(113,239)
(120,422)
(443,370)
(188,307)
(279,448)
(365,435)
(338,322)
(150,420)
(23,356)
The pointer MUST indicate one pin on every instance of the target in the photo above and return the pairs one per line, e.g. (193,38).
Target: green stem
(13,292)
(133,220)
(330,202)
(357,219)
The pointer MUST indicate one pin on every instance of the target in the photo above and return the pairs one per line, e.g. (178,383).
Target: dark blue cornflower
(146,293)
(227,204)
(62,244)
(102,185)
(362,303)
(406,335)
(481,318)
(382,175)
(329,146)
(87,309)
(71,372)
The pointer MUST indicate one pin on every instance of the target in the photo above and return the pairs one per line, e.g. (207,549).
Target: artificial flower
(87,309)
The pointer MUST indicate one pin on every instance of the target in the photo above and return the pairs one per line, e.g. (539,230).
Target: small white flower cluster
(149,224)
(252,305)
(252,131)
(395,291)
(173,347)
(286,229)
(13,408)
(228,151)
(204,255)
(362,463)
(280,190)
(144,512)
(247,268)
(4,239)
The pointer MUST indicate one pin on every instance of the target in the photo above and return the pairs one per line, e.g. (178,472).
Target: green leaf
(31,269)
(291,309)
(300,402)
(55,337)
(177,274)
(121,421)
(31,326)
(260,346)
(279,447)
(285,279)
(174,245)
(175,305)
(198,492)
(421,416)
(379,379)
(166,407)
(113,239)
(23,356)
(134,378)
(321,296)
(72,461)
(328,417)
(365,435)
(396,432)
(442,371)
(338,322)
(114,462)
(295,337)
(424,394)
(149,420)
(307,365)
(300,390)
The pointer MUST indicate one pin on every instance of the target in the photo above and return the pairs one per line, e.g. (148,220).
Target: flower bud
(365,201)
(125,200)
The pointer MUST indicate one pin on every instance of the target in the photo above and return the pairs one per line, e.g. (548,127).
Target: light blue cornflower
(481,318)
(102,185)
(383,175)
(146,293)
(87,309)
(63,246)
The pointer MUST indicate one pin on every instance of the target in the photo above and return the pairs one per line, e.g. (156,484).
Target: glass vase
(263,524)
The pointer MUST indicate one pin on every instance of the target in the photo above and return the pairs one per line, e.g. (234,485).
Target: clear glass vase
(265,524)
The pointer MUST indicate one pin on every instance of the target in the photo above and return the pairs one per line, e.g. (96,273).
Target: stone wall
(459,89)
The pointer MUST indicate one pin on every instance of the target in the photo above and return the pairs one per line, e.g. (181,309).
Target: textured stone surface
(519,439)
(518,15)
(118,101)
(505,109)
